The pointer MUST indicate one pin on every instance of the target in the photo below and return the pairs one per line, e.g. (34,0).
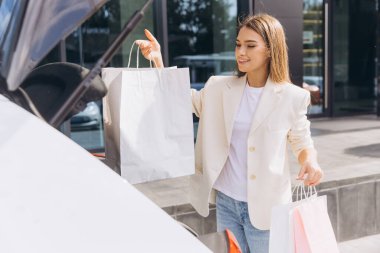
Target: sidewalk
(347,147)
(348,150)
(368,244)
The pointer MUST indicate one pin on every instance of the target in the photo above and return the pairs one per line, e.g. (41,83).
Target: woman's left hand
(151,49)
(313,171)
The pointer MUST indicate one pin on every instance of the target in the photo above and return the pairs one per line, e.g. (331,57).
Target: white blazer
(280,119)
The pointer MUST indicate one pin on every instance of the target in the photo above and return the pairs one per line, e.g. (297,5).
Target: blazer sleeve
(197,98)
(299,135)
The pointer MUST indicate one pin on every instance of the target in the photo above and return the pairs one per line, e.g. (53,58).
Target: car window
(6,8)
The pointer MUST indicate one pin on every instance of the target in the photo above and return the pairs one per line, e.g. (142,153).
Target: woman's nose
(240,50)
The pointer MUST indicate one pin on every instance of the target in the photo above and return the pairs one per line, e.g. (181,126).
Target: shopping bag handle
(302,192)
(137,57)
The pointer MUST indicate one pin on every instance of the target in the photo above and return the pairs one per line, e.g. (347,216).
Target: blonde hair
(272,32)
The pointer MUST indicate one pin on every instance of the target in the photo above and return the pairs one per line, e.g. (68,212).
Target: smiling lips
(242,61)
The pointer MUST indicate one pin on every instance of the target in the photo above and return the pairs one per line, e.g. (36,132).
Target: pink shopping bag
(313,232)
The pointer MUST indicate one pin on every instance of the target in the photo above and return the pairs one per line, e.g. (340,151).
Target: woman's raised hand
(151,49)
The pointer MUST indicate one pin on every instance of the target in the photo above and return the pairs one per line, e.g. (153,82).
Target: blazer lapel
(269,99)
(232,94)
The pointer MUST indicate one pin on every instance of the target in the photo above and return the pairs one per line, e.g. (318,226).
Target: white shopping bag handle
(302,193)
(158,71)
(137,57)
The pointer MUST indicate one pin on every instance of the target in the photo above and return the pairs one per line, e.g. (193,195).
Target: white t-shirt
(232,181)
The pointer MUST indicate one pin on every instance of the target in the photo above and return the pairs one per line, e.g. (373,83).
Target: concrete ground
(368,244)
(347,148)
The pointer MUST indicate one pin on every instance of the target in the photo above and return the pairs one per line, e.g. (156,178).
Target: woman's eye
(237,45)
(251,46)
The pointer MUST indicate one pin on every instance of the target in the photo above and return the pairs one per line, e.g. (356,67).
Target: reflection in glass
(89,42)
(6,8)
(202,36)
(354,45)
(313,51)
(86,45)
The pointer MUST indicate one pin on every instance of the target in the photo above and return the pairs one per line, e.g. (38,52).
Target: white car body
(56,197)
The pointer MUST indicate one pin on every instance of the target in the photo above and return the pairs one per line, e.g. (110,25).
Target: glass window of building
(201,36)
(313,53)
(198,34)
(86,45)
(354,55)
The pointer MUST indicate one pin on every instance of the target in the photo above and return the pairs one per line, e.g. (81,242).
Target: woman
(246,122)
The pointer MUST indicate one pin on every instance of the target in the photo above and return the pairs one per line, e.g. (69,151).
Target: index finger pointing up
(149,36)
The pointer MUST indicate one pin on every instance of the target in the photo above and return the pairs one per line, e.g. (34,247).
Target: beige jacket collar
(232,94)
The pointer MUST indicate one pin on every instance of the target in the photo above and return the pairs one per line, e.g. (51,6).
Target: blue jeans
(233,214)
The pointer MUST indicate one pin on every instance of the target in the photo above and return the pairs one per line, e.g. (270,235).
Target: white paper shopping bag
(155,125)
(111,117)
(111,114)
(284,230)
(281,238)
(279,230)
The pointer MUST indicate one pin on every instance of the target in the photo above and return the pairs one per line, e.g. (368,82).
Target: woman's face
(251,52)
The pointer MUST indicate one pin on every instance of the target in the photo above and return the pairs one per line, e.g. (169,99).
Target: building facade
(333,47)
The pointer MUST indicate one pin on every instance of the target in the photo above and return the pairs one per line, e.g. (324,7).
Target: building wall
(292,21)
(378,58)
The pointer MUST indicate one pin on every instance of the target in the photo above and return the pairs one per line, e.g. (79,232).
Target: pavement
(368,244)
(348,147)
